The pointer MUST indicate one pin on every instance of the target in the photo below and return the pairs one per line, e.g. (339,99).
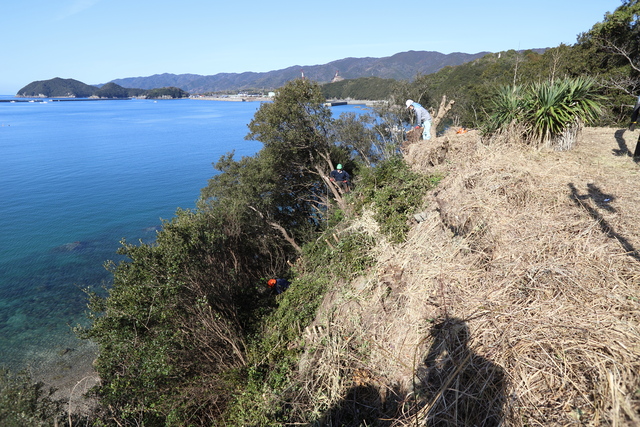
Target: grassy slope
(520,290)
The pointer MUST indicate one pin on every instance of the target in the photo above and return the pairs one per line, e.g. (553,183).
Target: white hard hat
(409,102)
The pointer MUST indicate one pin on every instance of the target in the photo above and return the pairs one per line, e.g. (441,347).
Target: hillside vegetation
(514,300)
(401,66)
(70,88)
(488,276)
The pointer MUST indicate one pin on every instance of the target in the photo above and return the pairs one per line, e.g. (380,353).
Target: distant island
(70,88)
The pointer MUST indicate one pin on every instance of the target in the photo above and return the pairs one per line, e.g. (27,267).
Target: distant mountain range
(401,66)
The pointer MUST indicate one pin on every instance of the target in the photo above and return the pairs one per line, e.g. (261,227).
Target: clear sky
(96,41)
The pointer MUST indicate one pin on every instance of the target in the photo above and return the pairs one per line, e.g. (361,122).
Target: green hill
(57,88)
(70,88)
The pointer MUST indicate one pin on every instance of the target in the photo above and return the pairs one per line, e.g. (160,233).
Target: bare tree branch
(281,229)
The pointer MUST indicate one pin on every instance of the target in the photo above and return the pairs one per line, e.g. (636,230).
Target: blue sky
(96,41)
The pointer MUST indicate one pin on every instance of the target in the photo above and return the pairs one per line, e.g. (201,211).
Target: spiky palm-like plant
(508,108)
(555,112)
(548,113)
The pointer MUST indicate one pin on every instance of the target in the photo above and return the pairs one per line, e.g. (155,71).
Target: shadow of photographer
(364,404)
(454,387)
(461,387)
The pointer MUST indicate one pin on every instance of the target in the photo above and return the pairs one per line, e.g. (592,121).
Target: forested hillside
(401,66)
(489,276)
(70,88)
(58,87)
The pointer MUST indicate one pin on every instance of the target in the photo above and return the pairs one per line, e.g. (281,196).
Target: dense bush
(396,193)
(25,403)
(174,329)
(169,328)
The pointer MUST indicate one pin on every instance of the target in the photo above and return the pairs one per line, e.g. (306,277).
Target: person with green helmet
(341,178)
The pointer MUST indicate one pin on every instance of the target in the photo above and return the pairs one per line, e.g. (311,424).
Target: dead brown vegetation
(515,301)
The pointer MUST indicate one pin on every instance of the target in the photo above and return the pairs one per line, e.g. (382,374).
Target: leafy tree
(253,191)
(619,33)
(174,322)
(356,133)
(296,132)
(613,48)
(173,328)
(374,136)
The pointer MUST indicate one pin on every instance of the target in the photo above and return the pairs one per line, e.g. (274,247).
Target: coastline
(71,374)
(235,98)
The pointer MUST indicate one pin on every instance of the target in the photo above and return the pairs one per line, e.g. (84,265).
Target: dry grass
(515,302)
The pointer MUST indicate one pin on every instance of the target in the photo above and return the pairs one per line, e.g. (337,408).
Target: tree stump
(412,136)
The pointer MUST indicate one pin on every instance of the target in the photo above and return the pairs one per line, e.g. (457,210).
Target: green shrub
(260,399)
(396,193)
(345,254)
(25,403)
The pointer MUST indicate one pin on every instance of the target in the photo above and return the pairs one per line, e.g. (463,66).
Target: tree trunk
(442,111)
(337,193)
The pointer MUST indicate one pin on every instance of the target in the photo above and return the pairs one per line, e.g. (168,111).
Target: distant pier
(22,100)
(366,102)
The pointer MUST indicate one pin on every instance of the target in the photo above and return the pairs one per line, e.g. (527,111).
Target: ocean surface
(76,177)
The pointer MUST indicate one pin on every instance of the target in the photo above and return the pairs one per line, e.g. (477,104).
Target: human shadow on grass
(453,386)
(365,404)
(461,387)
(624,149)
(601,200)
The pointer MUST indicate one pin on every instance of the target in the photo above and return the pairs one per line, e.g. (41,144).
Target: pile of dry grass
(515,302)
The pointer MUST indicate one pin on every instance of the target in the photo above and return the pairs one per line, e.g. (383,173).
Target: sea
(77,177)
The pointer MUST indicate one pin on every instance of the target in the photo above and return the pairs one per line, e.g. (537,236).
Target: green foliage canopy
(166,92)
(371,88)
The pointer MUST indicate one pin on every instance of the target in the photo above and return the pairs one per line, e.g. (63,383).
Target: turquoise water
(76,178)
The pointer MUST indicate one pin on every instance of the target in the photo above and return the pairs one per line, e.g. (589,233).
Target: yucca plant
(548,113)
(508,108)
(557,111)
